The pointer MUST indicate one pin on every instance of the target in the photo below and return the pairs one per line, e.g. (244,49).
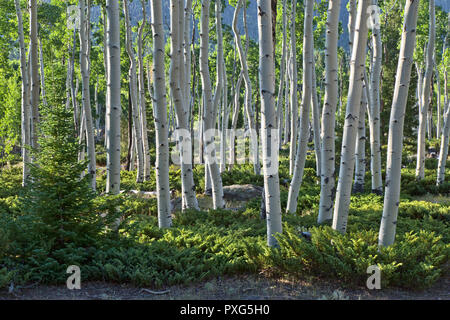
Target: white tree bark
(142,104)
(293,92)
(395,140)
(303,136)
(360,160)
(423,112)
(25,102)
(34,73)
(189,200)
(42,73)
(268,122)
(327,183)
(160,118)
(134,95)
(374,111)
(347,164)
(281,87)
(210,106)
(113,106)
(248,90)
(315,118)
(443,153)
(85,49)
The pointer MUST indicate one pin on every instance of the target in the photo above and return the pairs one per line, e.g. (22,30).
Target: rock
(244,192)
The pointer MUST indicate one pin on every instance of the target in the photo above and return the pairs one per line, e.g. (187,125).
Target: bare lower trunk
(293,92)
(395,140)
(443,153)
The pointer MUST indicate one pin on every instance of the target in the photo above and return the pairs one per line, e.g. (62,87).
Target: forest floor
(244,287)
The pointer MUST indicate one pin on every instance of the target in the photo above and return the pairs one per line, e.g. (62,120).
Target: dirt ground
(247,287)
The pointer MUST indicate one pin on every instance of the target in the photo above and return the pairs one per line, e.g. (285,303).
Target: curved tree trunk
(347,165)
(85,49)
(395,141)
(293,92)
(303,136)
(423,112)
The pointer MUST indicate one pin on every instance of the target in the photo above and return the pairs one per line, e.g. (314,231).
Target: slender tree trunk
(85,48)
(134,95)
(315,118)
(189,200)
(248,90)
(347,166)
(439,109)
(360,161)
(443,153)
(293,91)
(210,106)
(34,73)
(420,166)
(374,111)
(113,106)
(160,116)
(281,87)
(268,123)
(142,104)
(42,79)
(395,140)
(25,102)
(306,102)
(327,183)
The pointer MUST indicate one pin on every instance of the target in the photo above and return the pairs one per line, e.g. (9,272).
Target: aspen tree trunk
(306,102)
(42,79)
(268,123)
(423,112)
(395,140)
(374,111)
(113,106)
(85,48)
(25,102)
(210,106)
(327,181)
(187,53)
(281,88)
(316,118)
(293,91)
(248,89)
(225,116)
(351,119)
(134,96)
(160,118)
(189,200)
(443,153)
(286,134)
(439,109)
(234,121)
(105,62)
(142,105)
(74,89)
(34,73)
(360,161)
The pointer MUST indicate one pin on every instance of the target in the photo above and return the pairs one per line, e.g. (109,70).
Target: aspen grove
(190,139)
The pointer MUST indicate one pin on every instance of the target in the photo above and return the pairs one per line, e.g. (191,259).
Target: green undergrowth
(201,245)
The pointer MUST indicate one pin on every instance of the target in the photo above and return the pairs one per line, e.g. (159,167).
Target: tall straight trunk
(281,87)
(423,112)
(85,49)
(347,166)
(395,140)
(374,111)
(438,100)
(443,153)
(293,92)
(210,105)
(42,73)
(287,128)
(160,116)
(25,101)
(113,106)
(134,95)
(248,89)
(73,88)
(225,113)
(189,200)
(268,123)
(315,118)
(234,121)
(360,161)
(142,104)
(327,181)
(303,136)
(34,73)
(105,62)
